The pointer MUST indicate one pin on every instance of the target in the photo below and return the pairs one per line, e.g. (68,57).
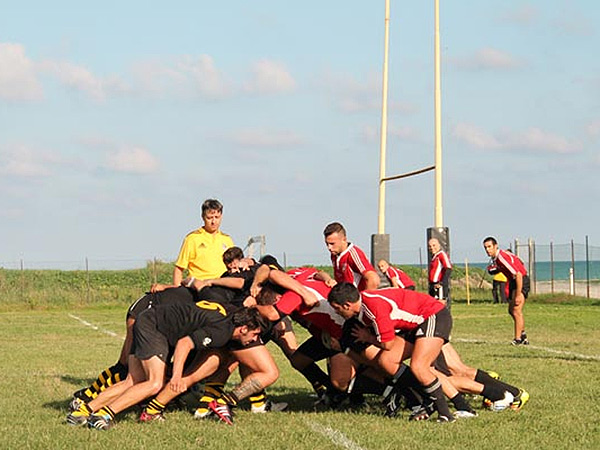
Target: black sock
(460,403)
(436,395)
(484,378)
(315,376)
(362,384)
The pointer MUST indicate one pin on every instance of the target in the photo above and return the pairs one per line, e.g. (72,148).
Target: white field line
(335,436)
(533,347)
(95,327)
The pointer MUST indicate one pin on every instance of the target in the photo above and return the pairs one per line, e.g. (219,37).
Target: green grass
(47,354)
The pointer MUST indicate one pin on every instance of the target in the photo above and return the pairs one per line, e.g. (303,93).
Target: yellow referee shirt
(202,254)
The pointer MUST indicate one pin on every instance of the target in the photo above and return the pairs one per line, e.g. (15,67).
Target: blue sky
(118,119)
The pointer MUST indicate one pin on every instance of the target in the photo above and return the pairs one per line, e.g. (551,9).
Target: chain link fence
(572,268)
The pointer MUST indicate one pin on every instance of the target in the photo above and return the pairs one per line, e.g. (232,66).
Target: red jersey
(509,264)
(350,265)
(321,317)
(391,309)
(400,276)
(440,262)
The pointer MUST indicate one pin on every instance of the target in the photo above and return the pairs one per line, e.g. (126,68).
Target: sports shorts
(512,286)
(438,325)
(315,349)
(147,340)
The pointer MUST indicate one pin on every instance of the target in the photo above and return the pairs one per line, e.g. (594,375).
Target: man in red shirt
(349,262)
(388,312)
(440,269)
(518,284)
(397,277)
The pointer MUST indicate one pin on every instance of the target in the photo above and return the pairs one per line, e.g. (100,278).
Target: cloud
(270,77)
(522,15)
(135,160)
(593,128)
(26,162)
(487,59)
(574,24)
(184,76)
(475,137)
(18,78)
(534,139)
(371,133)
(206,78)
(266,138)
(353,96)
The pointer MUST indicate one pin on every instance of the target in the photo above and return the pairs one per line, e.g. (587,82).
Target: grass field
(47,354)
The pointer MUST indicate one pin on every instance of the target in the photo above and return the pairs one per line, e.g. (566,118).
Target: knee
(154,387)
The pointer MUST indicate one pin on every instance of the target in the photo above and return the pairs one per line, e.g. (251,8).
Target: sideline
(573,355)
(94,327)
(335,436)
(532,347)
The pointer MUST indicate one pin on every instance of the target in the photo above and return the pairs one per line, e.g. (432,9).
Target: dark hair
(490,239)
(211,204)
(343,293)
(231,254)
(249,317)
(272,262)
(334,227)
(267,295)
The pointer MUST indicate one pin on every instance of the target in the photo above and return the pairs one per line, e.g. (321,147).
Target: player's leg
(262,372)
(203,366)
(154,370)
(430,336)
(304,360)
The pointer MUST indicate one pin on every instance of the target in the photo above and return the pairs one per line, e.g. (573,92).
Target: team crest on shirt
(206,342)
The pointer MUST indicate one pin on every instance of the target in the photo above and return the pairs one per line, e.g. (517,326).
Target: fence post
(467,281)
(552,267)
(22,281)
(532,274)
(87,280)
(573,265)
(587,265)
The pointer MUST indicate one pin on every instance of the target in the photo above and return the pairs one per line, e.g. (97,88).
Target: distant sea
(543,270)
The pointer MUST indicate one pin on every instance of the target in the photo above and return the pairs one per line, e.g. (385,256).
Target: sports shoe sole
(520,401)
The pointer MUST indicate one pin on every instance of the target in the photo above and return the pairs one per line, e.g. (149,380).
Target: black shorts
(512,286)
(141,304)
(147,340)
(150,300)
(315,349)
(438,325)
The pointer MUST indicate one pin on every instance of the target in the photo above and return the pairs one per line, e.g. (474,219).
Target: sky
(117,119)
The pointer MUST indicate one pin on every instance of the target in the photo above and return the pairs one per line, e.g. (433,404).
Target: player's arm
(227,282)
(323,276)
(182,350)
(261,275)
(285,281)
